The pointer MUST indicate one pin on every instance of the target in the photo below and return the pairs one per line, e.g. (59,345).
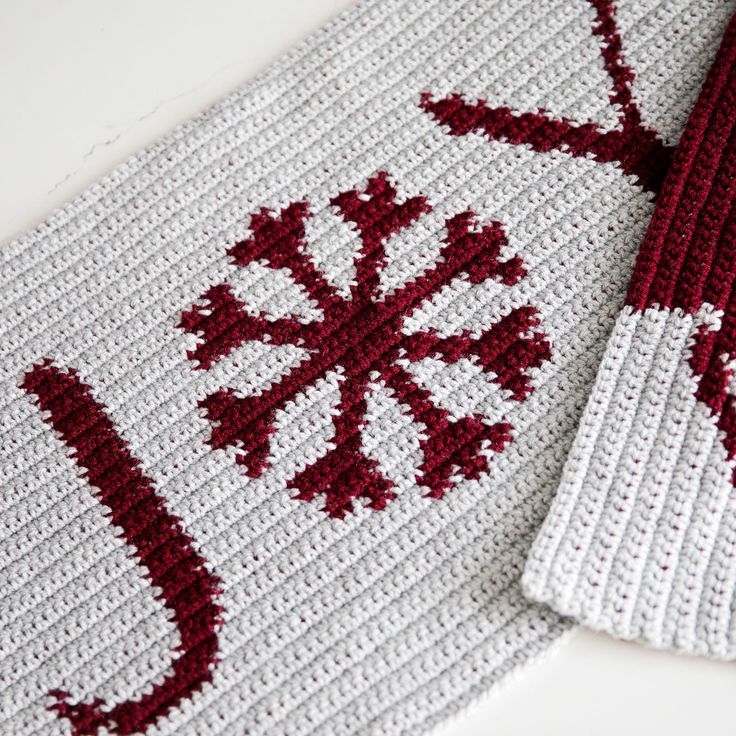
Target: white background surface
(84,84)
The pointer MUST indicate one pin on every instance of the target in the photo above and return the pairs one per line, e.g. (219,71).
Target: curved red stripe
(161,545)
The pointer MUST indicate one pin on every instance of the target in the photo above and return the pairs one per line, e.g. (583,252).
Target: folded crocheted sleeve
(641,537)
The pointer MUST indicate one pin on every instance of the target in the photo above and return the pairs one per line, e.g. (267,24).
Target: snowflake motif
(360,338)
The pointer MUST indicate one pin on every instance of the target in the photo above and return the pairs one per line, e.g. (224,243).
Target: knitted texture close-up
(287,396)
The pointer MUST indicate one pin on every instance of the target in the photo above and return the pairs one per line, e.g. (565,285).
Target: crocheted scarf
(287,397)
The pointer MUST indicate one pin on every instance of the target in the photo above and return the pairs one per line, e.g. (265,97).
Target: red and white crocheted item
(641,538)
(286,397)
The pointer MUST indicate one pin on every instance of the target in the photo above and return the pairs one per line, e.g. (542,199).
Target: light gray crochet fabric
(130,398)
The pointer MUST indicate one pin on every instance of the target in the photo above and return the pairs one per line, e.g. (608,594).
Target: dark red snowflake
(361,338)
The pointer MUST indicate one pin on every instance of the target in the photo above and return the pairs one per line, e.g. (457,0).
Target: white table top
(86,83)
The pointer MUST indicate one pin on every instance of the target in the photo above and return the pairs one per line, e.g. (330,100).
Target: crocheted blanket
(287,397)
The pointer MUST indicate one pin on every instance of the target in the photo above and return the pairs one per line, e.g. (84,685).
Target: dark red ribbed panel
(162,547)
(687,256)
(635,148)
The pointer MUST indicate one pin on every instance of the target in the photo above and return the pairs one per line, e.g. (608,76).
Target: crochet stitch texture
(286,397)
(641,537)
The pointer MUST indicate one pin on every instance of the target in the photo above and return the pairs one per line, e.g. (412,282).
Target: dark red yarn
(162,547)
(360,337)
(688,257)
(634,147)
